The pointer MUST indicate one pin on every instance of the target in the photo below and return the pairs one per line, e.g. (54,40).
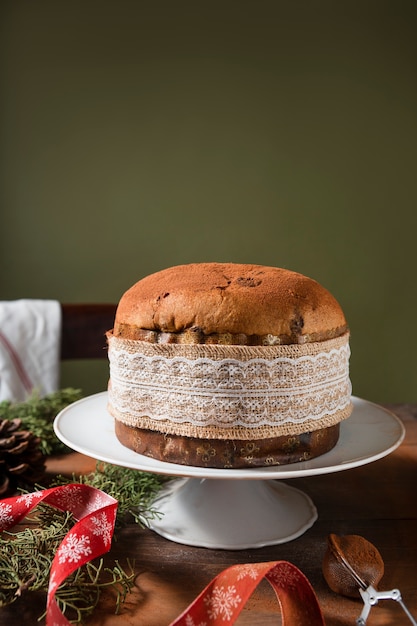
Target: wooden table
(377,501)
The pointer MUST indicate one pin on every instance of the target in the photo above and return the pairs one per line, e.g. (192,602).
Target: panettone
(229,365)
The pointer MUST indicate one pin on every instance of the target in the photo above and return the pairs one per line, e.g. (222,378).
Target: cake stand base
(231,514)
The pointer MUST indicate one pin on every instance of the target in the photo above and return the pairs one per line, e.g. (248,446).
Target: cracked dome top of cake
(231,298)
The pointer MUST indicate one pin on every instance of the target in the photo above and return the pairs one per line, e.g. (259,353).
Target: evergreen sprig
(26,555)
(25,561)
(134,490)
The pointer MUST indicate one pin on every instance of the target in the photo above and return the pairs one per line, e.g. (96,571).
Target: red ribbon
(223,599)
(219,604)
(89,538)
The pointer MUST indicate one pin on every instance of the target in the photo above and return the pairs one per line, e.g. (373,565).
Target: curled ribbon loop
(221,602)
(89,538)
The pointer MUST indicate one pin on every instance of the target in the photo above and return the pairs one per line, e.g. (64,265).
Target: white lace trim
(227,393)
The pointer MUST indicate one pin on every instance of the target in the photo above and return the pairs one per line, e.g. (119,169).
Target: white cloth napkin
(30,336)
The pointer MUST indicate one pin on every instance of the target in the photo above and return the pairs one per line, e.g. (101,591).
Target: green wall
(138,135)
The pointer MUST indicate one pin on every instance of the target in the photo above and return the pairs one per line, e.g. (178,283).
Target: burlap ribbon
(229,391)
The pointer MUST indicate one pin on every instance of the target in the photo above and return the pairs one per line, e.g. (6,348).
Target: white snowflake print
(102,527)
(70,498)
(27,498)
(247,570)
(285,576)
(98,501)
(53,583)
(5,517)
(74,548)
(221,602)
(190,622)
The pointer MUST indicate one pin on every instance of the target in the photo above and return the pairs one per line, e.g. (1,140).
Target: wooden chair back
(84,328)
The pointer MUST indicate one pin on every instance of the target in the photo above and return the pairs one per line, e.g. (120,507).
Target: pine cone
(22,463)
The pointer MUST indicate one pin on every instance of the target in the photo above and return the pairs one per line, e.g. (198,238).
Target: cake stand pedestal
(232,509)
(232,514)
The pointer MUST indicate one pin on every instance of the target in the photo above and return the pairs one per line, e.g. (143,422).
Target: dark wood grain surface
(377,501)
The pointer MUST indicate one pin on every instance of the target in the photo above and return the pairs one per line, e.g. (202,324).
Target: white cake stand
(232,509)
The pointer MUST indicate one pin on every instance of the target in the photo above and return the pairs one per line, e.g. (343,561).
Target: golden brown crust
(230,298)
